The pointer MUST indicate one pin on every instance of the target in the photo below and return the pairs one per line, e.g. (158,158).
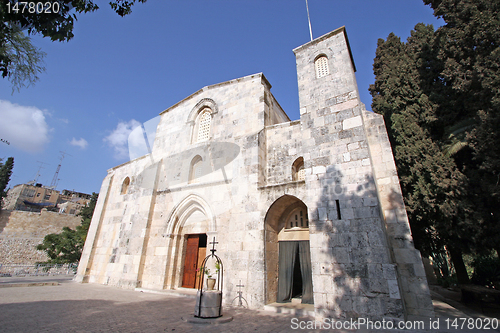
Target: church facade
(309,209)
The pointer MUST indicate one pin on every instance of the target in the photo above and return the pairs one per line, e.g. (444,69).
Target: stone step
(296,309)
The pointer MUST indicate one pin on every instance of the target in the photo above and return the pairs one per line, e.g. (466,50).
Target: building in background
(35,197)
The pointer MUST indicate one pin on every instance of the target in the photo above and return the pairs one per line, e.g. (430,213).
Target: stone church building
(309,209)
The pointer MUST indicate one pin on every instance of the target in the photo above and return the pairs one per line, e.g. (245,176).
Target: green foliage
(432,185)
(440,96)
(447,281)
(62,248)
(86,214)
(123,7)
(66,247)
(486,270)
(23,60)
(20,61)
(469,49)
(5,173)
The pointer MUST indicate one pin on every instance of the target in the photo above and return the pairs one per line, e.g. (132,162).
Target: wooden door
(190,261)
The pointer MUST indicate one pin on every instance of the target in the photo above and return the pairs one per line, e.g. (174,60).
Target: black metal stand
(209,303)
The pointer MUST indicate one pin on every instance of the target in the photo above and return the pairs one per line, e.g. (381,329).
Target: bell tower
(359,231)
(325,74)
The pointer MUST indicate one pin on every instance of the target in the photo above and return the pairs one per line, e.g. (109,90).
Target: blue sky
(119,72)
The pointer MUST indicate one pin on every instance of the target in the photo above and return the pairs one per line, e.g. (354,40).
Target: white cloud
(82,143)
(118,139)
(23,126)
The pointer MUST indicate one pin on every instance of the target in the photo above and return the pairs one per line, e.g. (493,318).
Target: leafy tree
(66,247)
(440,95)
(63,248)
(5,173)
(20,61)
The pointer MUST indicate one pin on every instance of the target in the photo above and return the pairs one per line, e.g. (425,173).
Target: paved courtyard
(74,307)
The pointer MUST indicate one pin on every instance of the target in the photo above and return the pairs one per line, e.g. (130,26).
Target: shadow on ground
(145,316)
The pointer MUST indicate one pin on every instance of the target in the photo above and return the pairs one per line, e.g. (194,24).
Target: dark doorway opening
(294,272)
(297,277)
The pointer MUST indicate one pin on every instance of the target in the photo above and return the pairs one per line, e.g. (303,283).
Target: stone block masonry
(21,232)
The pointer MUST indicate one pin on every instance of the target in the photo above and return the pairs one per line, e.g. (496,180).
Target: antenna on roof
(40,167)
(55,179)
(309,19)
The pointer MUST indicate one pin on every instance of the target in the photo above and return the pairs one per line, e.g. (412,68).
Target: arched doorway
(288,258)
(190,226)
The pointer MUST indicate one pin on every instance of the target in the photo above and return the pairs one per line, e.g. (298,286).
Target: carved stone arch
(205,103)
(274,221)
(184,209)
(198,123)
(280,209)
(318,55)
(321,65)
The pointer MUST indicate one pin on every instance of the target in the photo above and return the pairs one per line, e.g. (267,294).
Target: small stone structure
(310,208)
(208,306)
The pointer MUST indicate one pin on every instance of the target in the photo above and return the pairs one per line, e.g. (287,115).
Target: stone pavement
(74,307)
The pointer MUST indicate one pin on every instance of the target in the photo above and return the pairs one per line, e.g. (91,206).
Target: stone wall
(21,232)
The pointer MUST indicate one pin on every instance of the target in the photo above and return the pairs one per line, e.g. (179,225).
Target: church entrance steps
(297,309)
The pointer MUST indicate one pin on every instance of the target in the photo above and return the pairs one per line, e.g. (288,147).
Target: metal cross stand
(240,296)
(209,301)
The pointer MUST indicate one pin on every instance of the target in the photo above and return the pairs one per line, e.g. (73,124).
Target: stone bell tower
(361,243)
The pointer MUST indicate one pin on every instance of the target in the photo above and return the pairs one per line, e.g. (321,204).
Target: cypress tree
(470,51)
(406,75)
(5,173)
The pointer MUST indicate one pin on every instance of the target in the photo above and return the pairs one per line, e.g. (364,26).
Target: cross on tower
(213,246)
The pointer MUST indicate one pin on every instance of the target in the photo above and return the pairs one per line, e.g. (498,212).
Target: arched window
(298,219)
(321,65)
(204,122)
(125,184)
(195,172)
(298,171)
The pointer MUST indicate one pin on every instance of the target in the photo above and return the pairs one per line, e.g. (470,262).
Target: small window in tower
(298,171)
(204,121)
(321,65)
